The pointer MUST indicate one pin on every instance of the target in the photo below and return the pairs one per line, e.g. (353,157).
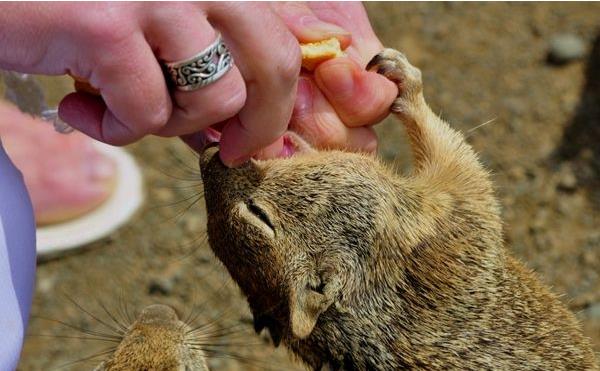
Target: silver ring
(202,69)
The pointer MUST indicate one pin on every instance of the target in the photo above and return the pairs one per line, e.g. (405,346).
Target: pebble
(565,48)
(567,181)
(46,285)
(161,286)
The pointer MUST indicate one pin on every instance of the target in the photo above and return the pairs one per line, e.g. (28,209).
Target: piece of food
(83,86)
(320,51)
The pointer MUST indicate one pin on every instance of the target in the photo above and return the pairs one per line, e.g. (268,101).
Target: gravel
(566,48)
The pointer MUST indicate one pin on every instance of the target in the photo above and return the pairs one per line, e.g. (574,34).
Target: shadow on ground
(581,140)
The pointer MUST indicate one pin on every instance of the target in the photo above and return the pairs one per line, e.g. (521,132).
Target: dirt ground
(480,62)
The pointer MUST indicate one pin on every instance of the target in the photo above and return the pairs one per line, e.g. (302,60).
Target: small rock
(161,286)
(565,48)
(46,284)
(567,181)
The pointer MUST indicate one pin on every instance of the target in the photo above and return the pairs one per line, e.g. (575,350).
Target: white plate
(106,218)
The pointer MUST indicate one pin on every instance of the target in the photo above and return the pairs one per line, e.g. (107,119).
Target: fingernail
(304,98)
(338,79)
(212,135)
(315,24)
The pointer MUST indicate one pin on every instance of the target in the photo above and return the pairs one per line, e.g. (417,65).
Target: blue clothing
(17,261)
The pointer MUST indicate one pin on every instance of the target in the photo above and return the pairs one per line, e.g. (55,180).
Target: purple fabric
(17,262)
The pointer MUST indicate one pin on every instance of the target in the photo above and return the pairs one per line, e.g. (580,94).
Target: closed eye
(259,213)
(253,214)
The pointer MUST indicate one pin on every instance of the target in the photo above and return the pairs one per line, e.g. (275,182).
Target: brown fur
(356,268)
(156,341)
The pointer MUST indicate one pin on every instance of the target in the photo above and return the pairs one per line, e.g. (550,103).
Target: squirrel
(355,267)
(157,340)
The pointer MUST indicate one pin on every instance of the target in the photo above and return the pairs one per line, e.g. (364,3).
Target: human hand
(338,103)
(117,48)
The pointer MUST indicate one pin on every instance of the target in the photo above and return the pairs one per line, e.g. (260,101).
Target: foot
(64,174)
(394,65)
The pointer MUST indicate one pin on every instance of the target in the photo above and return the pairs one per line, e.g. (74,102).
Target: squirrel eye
(255,215)
(259,213)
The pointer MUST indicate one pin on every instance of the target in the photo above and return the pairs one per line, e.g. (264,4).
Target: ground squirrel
(158,341)
(355,267)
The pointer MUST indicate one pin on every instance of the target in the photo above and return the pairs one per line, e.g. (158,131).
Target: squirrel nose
(158,313)
(222,183)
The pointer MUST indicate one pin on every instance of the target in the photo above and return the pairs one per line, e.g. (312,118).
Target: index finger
(133,88)
(268,57)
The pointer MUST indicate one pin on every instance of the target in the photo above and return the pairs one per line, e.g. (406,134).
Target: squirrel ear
(306,305)
(296,144)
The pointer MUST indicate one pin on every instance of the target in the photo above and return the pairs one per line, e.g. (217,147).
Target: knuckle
(157,118)
(106,26)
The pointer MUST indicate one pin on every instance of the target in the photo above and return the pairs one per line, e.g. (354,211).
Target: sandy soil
(480,62)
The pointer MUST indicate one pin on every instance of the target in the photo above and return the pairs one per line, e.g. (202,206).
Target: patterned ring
(202,69)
